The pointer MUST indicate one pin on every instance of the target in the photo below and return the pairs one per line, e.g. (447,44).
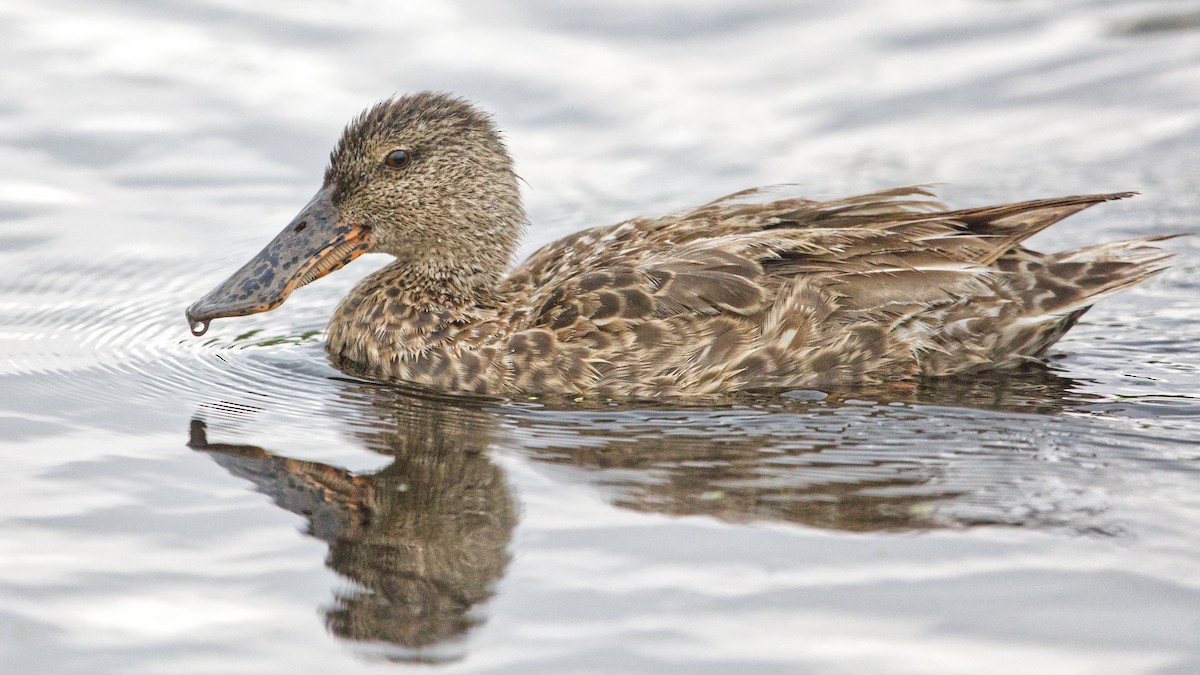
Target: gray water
(233,504)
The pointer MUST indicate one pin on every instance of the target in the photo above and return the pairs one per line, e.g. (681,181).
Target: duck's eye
(398,159)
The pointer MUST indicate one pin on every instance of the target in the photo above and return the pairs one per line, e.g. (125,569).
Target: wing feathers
(792,291)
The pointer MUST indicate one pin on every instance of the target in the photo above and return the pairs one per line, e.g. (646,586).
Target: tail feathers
(1117,251)
(1076,279)
(1062,286)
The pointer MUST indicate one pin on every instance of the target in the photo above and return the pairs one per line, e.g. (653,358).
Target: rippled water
(232,504)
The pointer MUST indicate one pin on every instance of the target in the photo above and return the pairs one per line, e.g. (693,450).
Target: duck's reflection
(425,539)
(910,456)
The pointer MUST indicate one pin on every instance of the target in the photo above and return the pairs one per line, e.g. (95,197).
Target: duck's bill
(314,244)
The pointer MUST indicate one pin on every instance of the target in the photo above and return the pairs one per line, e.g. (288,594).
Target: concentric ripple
(115,332)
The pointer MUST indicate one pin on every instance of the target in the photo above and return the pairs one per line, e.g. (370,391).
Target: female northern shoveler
(732,295)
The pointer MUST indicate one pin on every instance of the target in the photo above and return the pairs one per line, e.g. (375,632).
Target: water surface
(232,504)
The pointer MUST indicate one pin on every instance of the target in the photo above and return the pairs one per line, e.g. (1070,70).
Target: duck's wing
(682,302)
(914,256)
(734,291)
(957,288)
(745,212)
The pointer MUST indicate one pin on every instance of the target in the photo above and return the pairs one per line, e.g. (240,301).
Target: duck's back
(797,293)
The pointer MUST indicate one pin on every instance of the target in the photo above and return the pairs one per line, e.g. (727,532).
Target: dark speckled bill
(314,244)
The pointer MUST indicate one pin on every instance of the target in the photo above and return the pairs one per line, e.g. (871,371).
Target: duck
(747,292)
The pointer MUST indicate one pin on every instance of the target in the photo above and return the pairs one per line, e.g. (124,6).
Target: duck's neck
(404,310)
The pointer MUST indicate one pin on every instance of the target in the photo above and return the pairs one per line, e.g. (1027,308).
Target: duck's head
(425,178)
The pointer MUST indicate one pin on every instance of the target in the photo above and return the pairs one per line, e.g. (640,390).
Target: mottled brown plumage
(741,293)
